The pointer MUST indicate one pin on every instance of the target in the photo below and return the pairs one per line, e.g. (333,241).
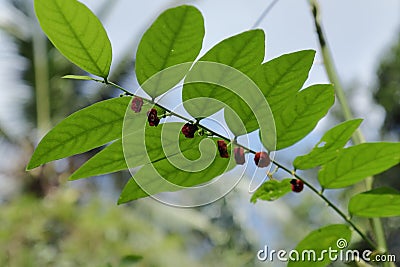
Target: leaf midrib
(77,37)
(175,34)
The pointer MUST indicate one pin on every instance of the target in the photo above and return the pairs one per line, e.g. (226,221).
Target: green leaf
(175,37)
(329,145)
(244,53)
(110,159)
(380,202)
(281,78)
(196,163)
(77,33)
(272,190)
(302,113)
(130,259)
(315,247)
(86,129)
(80,77)
(355,163)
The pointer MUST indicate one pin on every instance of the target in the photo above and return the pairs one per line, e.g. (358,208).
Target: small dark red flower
(262,159)
(222,148)
(189,130)
(297,185)
(137,104)
(152,117)
(239,155)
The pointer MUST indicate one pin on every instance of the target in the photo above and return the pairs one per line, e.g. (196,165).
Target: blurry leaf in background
(388,88)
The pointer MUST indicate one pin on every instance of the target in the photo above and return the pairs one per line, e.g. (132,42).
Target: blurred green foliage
(61,230)
(388,88)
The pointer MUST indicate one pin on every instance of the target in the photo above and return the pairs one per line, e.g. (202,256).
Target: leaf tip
(29,167)
(32,164)
(120,201)
(72,177)
(253,199)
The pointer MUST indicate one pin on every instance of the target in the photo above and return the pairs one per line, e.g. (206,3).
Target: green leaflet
(281,78)
(302,113)
(175,37)
(310,249)
(355,163)
(80,77)
(272,190)
(380,202)
(110,159)
(239,55)
(181,161)
(86,129)
(329,145)
(77,33)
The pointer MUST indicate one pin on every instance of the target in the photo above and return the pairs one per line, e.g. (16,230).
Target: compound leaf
(77,33)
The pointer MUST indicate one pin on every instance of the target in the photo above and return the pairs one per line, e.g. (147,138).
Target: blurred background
(45,220)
